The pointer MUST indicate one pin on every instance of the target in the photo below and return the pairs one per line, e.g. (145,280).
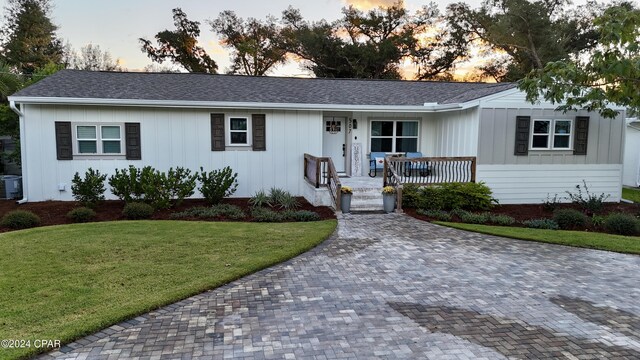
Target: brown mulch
(55,212)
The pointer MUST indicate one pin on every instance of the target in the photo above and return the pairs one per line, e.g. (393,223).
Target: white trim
(99,140)
(228,130)
(551,135)
(394,136)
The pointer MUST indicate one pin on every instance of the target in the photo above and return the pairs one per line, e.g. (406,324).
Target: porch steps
(366,199)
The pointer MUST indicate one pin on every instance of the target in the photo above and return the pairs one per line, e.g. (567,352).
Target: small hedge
(569,219)
(267,215)
(541,224)
(436,214)
(622,224)
(449,196)
(221,210)
(81,215)
(137,211)
(20,219)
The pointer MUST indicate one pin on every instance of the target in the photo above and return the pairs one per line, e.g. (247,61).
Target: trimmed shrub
(217,184)
(436,214)
(81,215)
(449,196)
(20,219)
(266,215)
(622,224)
(459,213)
(300,215)
(90,190)
(589,202)
(221,210)
(136,211)
(180,183)
(569,218)
(502,220)
(282,199)
(472,218)
(410,196)
(260,199)
(541,224)
(126,185)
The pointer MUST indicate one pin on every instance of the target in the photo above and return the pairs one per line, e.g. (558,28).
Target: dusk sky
(116,25)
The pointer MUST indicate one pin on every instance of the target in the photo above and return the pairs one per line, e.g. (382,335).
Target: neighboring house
(262,126)
(632,154)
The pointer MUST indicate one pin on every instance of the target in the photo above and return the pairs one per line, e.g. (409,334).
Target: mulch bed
(536,211)
(55,212)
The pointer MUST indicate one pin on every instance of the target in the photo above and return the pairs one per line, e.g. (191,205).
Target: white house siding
(170,138)
(631,173)
(528,184)
(529,178)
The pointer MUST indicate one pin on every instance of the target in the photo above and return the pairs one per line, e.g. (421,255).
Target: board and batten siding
(171,138)
(530,178)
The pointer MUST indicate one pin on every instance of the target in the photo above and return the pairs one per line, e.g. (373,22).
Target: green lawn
(631,194)
(63,282)
(591,240)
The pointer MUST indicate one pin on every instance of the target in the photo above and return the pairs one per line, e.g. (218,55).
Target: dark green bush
(90,190)
(136,211)
(569,219)
(471,218)
(126,185)
(449,196)
(436,214)
(623,224)
(221,210)
(502,220)
(459,213)
(217,184)
(180,183)
(541,224)
(300,215)
(266,215)
(81,214)
(20,219)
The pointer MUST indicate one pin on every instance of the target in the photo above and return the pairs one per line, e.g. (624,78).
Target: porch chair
(376,161)
(421,167)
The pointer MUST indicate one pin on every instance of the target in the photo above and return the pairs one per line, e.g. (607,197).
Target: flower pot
(389,202)
(345,203)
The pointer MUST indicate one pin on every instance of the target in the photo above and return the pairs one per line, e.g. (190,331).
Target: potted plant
(388,198)
(345,199)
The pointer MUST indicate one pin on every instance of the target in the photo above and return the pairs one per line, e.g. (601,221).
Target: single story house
(631,170)
(262,127)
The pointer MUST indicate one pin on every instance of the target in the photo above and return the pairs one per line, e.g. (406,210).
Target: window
(99,139)
(394,136)
(551,135)
(238,131)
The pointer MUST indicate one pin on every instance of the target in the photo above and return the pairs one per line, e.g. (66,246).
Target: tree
(9,81)
(91,58)
(256,46)
(375,43)
(30,40)
(532,33)
(609,75)
(180,46)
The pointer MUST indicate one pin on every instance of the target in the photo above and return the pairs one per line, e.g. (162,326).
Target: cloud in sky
(369,4)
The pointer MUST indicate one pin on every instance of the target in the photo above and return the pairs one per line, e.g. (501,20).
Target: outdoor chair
(376,161)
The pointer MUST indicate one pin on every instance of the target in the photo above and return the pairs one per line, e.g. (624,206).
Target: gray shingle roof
(229,88)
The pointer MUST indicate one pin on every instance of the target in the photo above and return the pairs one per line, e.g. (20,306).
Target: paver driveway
(394,287)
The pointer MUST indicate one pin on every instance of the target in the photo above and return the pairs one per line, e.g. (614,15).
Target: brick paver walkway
(393,287)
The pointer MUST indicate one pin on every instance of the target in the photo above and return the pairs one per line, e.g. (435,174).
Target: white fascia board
(231,105)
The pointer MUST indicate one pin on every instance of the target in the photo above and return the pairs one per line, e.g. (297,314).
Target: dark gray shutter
(132,139)
(523,124)
(217,132)
(64,142)
(581,136)
(258,122)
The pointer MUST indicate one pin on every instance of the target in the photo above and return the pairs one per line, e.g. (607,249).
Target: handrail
(320,171)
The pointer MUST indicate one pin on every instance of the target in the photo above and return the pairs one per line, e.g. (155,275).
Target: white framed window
(238,133)
(548,134)
(394,136)
(98,139)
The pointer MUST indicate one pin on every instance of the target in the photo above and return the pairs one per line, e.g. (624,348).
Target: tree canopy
(90,57)
(610,74)
(30,40)
(180,46)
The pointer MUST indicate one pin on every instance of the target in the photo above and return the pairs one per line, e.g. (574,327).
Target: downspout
(23,151)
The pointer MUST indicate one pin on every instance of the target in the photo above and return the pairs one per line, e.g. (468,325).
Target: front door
(333,141)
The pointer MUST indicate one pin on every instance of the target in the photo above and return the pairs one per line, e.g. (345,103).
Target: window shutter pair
(523,127)
(64,141)
(258,127)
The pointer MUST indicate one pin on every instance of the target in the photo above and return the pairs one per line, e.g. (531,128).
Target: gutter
(23,151)
(428,107)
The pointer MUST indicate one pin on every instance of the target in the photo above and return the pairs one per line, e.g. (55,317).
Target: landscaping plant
(569,219)
(20,219)
(217,184)
(541,224)
(439,215)
(449,196)
(622,224)
(89,191)
(282,199)
(259,199)
(550,204)
(589,202)
(221,210)
(81,215)
(502,220)
(125,184)
(137,211)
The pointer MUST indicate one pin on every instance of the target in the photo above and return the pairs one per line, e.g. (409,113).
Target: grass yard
(591,240)
(631,194)
(64,282)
